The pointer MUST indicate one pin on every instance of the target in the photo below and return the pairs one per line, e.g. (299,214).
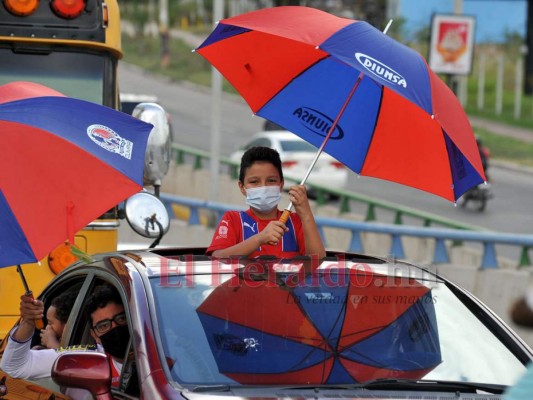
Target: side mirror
(157,158)
(147,215)
(84,370)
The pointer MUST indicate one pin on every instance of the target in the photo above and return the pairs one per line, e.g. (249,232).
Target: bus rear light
(21,7)
(105,13)
(68,8)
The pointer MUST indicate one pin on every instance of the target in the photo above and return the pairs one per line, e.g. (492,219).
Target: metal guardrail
(489,240)
(184,154)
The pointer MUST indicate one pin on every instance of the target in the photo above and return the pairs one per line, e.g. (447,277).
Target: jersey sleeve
(227,233)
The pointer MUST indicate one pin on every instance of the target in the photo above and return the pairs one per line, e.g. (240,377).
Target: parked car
(296,155)
(349,326)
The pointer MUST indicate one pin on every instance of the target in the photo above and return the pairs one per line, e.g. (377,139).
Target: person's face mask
(116,341)
(263,198)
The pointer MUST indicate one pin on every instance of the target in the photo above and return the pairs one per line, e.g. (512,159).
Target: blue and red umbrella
(382,110)
(332,327)
(64,163)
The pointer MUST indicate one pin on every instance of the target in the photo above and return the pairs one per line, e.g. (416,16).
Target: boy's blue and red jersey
(237,226)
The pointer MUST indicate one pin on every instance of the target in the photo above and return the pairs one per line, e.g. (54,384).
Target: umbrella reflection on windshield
(332,326)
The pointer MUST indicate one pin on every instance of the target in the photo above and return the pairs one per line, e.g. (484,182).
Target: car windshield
(297,145)
(279,325)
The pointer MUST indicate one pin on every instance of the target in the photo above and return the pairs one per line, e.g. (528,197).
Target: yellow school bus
(72,46)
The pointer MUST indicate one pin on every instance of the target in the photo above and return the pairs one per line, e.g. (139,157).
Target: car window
(71,285)
(78,324)
(297,145)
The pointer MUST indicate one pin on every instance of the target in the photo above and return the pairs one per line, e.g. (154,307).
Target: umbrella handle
(39,323)
(283,218)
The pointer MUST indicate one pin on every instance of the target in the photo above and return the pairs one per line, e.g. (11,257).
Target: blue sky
(493,17)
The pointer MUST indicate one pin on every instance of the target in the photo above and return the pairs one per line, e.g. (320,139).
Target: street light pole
(216,99)
(460,80)
(458,7)
(163,33)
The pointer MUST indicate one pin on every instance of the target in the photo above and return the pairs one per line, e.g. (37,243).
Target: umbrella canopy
(387,114)
(64,163)
(331,327)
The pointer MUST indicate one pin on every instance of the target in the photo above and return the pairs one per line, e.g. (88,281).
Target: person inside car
(258,230)
(108,328)
(56,317)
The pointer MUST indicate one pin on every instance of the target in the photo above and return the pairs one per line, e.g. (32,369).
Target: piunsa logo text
(380,70)
(317,122)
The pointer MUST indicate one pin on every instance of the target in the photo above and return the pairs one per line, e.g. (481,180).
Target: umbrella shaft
(286,213)
(331,130)
(23,279)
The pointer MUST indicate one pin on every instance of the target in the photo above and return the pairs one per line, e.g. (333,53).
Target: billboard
(451,46)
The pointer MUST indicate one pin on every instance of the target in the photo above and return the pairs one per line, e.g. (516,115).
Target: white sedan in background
(296,156)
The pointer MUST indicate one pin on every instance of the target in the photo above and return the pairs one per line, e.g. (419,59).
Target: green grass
(188,66)
(184,64)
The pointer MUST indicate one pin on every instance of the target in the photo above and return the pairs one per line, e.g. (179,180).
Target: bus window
(83,79)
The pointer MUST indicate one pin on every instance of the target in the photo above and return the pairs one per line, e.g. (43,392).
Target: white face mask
(263,198)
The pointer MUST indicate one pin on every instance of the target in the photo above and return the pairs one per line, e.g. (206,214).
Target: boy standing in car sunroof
(258,230)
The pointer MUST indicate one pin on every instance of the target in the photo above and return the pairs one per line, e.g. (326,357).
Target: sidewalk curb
(510,166)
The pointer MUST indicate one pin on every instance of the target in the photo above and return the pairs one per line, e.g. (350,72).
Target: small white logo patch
(108,139)
(380,70)
(252,227)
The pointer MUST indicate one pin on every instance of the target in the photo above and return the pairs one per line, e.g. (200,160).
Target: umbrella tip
(388,26)
(193,51)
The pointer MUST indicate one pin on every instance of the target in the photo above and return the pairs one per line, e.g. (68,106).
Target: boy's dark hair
(63,305)
(259,153)
(101,297)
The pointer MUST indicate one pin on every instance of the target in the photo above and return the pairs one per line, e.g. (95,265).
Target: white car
(296,156)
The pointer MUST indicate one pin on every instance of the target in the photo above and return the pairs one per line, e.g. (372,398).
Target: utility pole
(216,99)
(459,83)
(528,81)
(164,33)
